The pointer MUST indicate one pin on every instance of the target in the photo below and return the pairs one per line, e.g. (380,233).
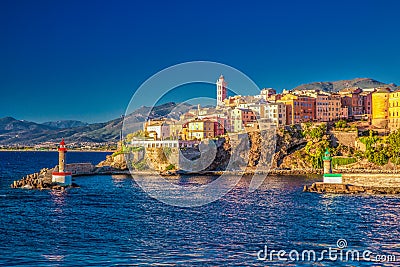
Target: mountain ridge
(62,124)
(335,86)
(21,132)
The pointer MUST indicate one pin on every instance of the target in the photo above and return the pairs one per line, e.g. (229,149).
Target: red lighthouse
(61,176)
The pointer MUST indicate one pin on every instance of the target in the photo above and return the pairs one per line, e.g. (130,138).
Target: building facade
(394,110)
(157,129)
(275,113)
(240,117)
(328,107)
(200,129)
(380,107)
(266,93)
(367,101)
(298,108)
(352,99)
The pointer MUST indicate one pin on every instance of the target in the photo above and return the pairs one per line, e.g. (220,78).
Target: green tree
(393,142)
(316,151)
(316,133)
(341,124)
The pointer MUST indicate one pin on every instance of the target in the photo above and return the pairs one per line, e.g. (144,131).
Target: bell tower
(221,91)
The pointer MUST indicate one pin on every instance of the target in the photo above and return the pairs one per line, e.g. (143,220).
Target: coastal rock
(116,161)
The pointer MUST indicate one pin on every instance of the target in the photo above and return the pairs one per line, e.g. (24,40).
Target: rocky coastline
(116,165)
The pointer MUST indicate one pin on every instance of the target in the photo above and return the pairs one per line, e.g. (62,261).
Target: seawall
(356,183)
(372,179)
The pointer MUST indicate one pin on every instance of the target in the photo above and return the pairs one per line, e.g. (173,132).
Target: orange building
(233,101)
(298,108)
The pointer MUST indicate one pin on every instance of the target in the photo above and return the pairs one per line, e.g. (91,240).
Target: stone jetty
(39,180)
(332,188)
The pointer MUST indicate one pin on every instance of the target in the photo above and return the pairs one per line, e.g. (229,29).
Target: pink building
(367,101)
(353,100)
(220,124)
(329,108)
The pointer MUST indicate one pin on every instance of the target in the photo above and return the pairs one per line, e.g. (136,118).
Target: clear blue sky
(84,59)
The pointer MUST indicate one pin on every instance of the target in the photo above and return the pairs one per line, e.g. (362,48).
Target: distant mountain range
(65,124)
(336,86)
(13,131)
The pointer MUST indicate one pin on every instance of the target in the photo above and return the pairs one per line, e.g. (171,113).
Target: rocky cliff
(116,161)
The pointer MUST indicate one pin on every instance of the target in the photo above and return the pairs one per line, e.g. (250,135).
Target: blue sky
(84,59)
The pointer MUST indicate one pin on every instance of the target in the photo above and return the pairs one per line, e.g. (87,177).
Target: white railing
(163,143)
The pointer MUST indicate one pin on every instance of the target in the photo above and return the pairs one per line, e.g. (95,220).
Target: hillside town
(379,108)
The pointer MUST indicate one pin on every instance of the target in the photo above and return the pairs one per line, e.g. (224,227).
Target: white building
(275,113)
(240,117)
(266,93)
(157,129)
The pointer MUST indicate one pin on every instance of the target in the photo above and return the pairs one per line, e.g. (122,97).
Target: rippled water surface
(110,221)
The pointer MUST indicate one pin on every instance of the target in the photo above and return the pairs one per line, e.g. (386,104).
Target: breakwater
(43,179)
(39,180)
(320,187)
(355,183)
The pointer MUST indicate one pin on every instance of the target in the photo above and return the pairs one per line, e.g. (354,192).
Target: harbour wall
(372,179)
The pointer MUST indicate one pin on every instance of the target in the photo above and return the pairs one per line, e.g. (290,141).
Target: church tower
(221,91)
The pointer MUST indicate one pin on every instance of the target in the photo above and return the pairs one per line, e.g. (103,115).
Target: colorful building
(380,107)
(274,113)
(157,129)
(233,101)
(220,123)
(200,129)
(240,117)
(298,108)
(175,128)
(256,105)
(352,99)
(394,110)
(328,107)
(266,93)
(366,94)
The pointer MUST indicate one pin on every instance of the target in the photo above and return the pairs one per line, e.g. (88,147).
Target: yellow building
(184,134)
(200,129)
(394,110)
(380,107)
